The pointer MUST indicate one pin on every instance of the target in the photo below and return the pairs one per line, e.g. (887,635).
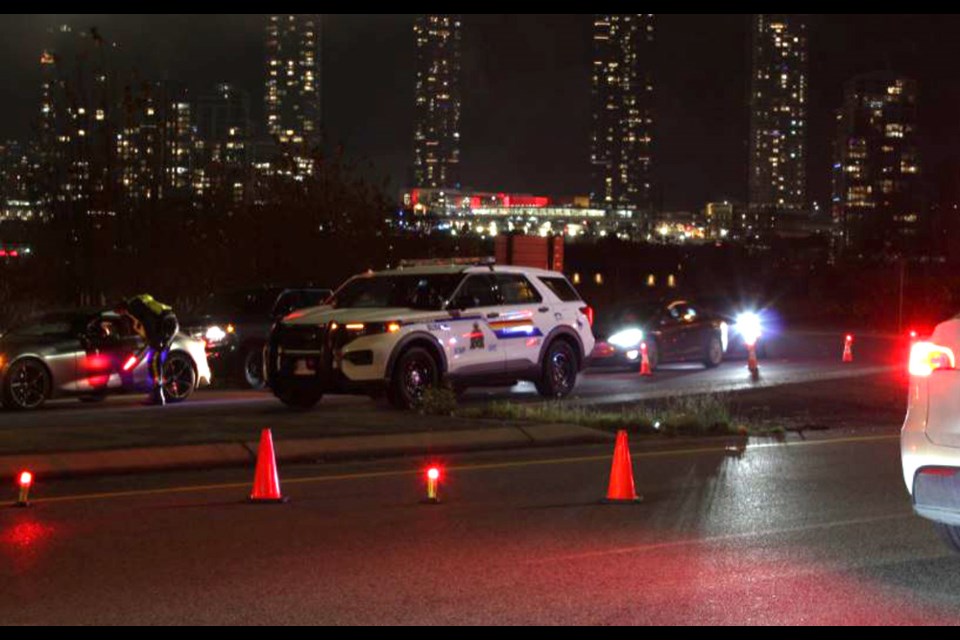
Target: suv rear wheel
(415,372)
(559,371)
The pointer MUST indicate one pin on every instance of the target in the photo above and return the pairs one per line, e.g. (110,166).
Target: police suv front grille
(301,338)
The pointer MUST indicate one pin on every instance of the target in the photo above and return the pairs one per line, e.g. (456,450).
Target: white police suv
(465,322)
(930,439)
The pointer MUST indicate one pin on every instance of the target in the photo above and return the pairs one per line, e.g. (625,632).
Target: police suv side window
(476,291)
(516,289)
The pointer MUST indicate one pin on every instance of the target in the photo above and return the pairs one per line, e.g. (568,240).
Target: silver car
(90,355)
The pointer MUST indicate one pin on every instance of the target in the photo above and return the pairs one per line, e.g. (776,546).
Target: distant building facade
(436,137)
(877,189)
(293,65)
(778,114)
(621,151)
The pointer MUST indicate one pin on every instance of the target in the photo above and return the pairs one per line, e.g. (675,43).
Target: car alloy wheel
(418,375)
(28,384)
(179,378)
(562,371)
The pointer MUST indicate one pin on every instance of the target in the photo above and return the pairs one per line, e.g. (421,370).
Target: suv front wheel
(559,371)
(415,372)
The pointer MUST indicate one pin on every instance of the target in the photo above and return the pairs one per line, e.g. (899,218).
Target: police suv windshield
(410,291)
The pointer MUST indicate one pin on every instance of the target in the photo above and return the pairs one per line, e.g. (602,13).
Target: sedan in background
(90,355)
(234,325)
(673,331)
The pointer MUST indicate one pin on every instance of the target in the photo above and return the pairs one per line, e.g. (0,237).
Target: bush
(438,401)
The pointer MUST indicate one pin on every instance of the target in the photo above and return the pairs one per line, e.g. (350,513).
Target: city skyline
(722,138)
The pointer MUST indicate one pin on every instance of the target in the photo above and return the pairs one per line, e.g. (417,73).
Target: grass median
(701,415)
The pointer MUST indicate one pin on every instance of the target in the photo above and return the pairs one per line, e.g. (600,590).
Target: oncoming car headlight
(215,334)
(626,338)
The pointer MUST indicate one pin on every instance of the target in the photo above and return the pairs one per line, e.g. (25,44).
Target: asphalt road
(226,414)
(819,532)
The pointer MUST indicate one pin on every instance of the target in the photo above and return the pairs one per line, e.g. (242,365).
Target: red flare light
(25,481)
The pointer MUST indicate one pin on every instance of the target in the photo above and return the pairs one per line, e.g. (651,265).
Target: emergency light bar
(449,262)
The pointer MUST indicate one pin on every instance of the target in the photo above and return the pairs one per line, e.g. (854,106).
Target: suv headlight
(627,338)
(358,329)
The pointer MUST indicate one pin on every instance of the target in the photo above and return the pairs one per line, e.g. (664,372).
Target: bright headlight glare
(214,334)
(748,326)
(627,338)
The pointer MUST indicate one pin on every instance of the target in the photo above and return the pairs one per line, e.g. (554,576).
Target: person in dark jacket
(156,323)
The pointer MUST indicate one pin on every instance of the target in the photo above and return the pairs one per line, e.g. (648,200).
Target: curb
(241,454)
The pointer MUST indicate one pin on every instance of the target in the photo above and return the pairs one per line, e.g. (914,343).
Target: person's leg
(157,351)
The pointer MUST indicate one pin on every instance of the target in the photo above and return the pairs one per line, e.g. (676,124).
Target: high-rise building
(436,137)
(76,123)
(778,114)
(181,146)
(223,142)
(140,141)
(622,136)
(877,193)
(293,78)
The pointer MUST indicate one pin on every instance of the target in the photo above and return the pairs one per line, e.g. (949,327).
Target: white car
(405,330)
(930,439)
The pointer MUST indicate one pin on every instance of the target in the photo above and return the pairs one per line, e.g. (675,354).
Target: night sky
(526,91)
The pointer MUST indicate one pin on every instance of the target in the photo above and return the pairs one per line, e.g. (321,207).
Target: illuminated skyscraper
(622,137)
(76,124)
(224,142)
(293,78)
(778,113)
(436,138)
(877,195)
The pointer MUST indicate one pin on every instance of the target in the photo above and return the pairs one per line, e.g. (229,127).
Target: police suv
(462,322)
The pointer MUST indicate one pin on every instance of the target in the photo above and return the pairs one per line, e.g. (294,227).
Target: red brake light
(588,311)
(926,357)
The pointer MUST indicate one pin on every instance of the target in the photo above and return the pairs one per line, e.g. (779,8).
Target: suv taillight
(926,357)
(588,311)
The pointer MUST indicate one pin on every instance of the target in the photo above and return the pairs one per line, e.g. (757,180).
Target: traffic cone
(621,489)
(644,361)
(753,365)
(848,348)
(266,482)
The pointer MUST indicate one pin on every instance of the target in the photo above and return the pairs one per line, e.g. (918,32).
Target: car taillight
(926,357)
(588,311)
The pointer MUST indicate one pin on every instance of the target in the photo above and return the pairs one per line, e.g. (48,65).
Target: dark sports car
(674,331)
(234,325)
(89,355)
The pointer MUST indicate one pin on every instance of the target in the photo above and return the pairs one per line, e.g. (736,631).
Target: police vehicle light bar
(449,262)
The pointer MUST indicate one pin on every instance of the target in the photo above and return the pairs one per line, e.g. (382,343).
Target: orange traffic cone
(753,365)
(621,489)
(266,482)
(848,348)
(644,361)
